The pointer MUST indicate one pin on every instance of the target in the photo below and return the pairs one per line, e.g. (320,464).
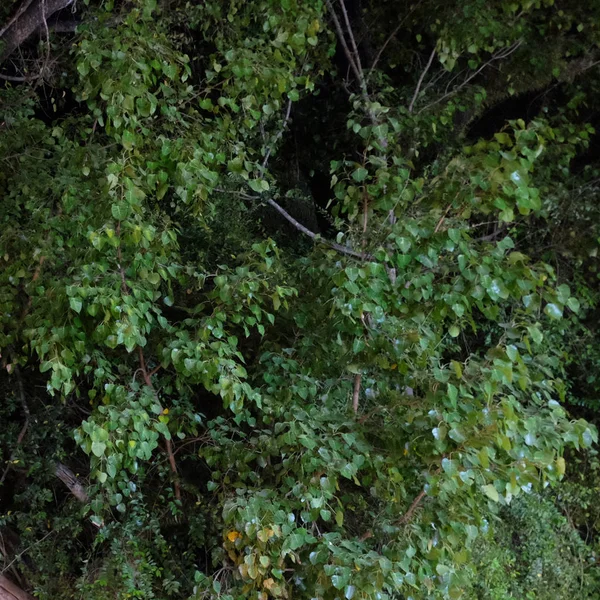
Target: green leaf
(553,310)
(360,174)
(573,304)
(98,448)
(120,210)
(491,492)
(76,304)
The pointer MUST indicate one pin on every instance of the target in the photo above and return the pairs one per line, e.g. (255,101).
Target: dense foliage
(299,299)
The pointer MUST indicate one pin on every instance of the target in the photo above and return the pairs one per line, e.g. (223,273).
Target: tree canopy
(299,299)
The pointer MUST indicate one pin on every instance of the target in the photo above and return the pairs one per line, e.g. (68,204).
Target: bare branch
(342,38)
(20,78)
(389,39)
(498,56)
(362,80)
(314,236)
(420,82)
(411,509)
(70,480)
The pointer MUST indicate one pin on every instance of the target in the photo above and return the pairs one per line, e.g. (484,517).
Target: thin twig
(441,221)
(279,134)
(420,82)
(411,509)
(498,56)
(389,39)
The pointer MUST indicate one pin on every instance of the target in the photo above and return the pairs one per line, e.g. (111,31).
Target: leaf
(75,304)
(491,492)
(573,304)
(259,185)
(560,466)
(553,310)
(98,448)
(120,210)
(360,174)
(233,535)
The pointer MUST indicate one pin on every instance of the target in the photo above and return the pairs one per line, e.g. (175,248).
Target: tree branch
(498,56)
(10,591)
(314,236)
(70,480)
(342,38)
(411,509)
(389,39)
(362,80)
(26,22)
(279,134)
(420,82)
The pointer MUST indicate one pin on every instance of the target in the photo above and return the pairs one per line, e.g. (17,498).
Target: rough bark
(27,23)
(68,478)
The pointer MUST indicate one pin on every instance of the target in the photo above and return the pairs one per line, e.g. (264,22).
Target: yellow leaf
(233,535)
(269,583)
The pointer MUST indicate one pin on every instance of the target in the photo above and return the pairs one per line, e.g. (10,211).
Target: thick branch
(10,591)
(26,22)
(70,480)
